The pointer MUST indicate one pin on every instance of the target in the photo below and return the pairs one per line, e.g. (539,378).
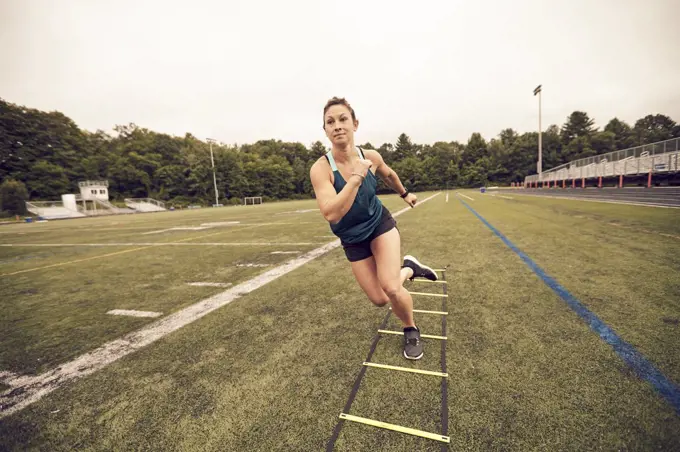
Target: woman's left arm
(390,177)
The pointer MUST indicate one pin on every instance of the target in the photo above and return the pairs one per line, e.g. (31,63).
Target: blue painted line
(640,365)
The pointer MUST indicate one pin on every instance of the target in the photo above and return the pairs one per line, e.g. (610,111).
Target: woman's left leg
(386,250)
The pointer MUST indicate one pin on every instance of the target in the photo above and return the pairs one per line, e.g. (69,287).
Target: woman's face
(339,126)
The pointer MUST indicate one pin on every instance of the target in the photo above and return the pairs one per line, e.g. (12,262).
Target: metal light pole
(212,159)
(539,167)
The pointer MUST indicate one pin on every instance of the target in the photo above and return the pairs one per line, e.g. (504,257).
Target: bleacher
(656,158)
(52,210)
(145,204)
(93,200)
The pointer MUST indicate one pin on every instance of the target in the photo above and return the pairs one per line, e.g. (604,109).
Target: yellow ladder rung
(407,369)
(401,333)
(422,311)
(427,281)
(438,269)
(441,295)
(395,428)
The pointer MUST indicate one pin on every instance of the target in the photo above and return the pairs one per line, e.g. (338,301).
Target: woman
(345,187)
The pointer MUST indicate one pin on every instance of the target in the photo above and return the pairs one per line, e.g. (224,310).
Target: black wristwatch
(405,194)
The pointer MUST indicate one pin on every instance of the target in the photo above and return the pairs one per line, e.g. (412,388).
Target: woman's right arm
(333,205)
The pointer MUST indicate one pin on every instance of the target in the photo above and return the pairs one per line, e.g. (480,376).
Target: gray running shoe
(413,347)
(419,270)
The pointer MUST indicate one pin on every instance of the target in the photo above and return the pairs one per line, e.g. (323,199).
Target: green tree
(404,147)
(229,168)
(49,154)
(623,134)
(578,125)
(475,174)
(653,128)
(603,142)
(170,181)
(128,181)
(317,150)
(578,148)
(475,149)
(554,152)
(47,181)
(13,197)
(276,176)
(452,174)
(300,175)
(410,173)
(522,157)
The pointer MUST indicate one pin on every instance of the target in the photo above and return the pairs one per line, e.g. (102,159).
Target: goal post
(252,200)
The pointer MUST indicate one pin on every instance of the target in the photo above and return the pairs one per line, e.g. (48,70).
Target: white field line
(297,211)
(6,376)
(188,228)
(663,206)
(209,226)
(133,313)
(505,197)
(220,223)
(36,387)
(278,224)
(210,284)
(285,252)
(253,265)
(164,244)
(464,196)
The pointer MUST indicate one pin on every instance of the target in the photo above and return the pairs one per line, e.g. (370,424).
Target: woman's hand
(411,199)
(361,167)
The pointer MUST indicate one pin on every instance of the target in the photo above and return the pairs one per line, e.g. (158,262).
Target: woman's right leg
(366,273)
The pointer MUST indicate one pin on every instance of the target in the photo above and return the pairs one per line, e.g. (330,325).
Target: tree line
(47,153)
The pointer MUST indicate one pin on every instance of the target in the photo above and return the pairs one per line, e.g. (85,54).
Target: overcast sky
(239,71)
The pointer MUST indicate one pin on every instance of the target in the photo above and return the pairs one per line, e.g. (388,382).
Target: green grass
(630,279)
(273,369)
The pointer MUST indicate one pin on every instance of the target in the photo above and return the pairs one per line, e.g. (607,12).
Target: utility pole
(539,168)
(212,160)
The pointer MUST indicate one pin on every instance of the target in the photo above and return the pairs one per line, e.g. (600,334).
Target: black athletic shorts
(359,251)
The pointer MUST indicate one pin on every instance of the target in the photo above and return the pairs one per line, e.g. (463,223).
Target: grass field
(273,369)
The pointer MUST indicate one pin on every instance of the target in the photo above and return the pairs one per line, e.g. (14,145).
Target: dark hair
(338,101)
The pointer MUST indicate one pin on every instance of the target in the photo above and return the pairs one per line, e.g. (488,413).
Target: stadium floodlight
(539,167)
(212,160)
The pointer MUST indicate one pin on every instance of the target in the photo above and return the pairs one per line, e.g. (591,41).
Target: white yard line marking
(220,223)
(464,196)
(213,225)
(253,265)
(132,313)
(38,386)
(196,228)
(210,284)
(285,252)
(297,211)
(663,206)
(278,224)
(7,376)
(505,197)
(164,244)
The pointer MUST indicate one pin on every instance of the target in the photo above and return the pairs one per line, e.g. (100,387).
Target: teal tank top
(364,215)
